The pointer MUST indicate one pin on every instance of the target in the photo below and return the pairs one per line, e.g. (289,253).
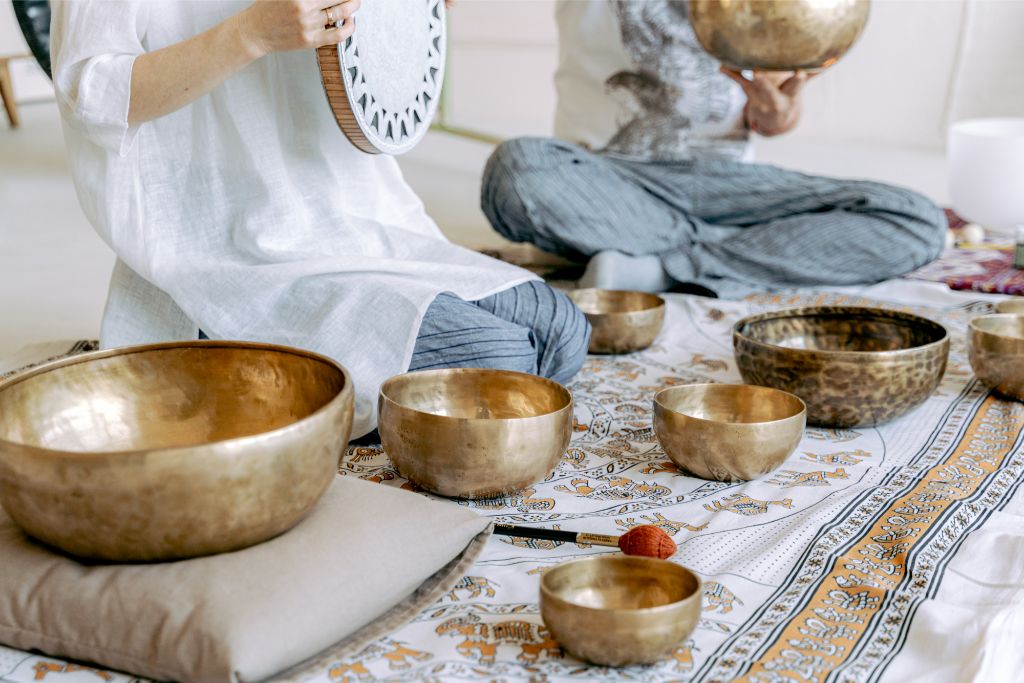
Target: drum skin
(383,83)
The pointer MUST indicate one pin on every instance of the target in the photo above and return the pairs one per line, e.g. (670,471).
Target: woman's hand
(281,25)
(170,78)
(773,99)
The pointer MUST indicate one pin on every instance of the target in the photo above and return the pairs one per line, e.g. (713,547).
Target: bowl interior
(856,330)
(606,301)
(731,403)
(165,398)
(1009,326)
(620,583)
(475,394)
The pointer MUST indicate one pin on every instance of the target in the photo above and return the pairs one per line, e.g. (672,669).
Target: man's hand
(773,99)
(281,25)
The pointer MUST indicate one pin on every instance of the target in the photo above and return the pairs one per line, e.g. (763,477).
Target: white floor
(54,269)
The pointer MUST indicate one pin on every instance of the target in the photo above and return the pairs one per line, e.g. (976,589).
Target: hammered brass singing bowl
(474,433)
(728,432)
(996,349)
(171,450)
(623,321)
(778,35)
(852,366)
(618,610)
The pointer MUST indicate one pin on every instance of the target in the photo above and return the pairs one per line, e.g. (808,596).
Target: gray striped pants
(529,328)
(727,226)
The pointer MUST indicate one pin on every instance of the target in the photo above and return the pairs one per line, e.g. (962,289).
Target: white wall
(917,63)
(880,113)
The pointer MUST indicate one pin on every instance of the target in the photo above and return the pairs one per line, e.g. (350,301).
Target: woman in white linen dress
(205,154)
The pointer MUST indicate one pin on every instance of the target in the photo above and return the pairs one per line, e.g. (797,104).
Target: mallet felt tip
(646,540)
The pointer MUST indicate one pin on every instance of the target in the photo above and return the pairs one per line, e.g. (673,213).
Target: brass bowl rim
(549,594)
(474,371)
(995,316)
(861,356)
(756,387)
(1018,302)
(54,453)
(654,307)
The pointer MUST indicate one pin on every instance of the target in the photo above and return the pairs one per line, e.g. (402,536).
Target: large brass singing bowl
(851,366)
(622,321)
(778,35)
(728,432)
(996,349)
(617,610)
(474,433)
(171,450)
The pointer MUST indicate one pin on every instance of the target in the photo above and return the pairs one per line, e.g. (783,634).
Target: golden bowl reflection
(996,349)
(623,321)
(171,450)
(728,432)
(618,610)
(778,35)
(474,433)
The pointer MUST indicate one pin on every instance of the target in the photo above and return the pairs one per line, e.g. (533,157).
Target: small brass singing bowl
(474,433)
(173,450)
(618,610)
(622,321)
(852,366)
(1011,307)
(783,35)
(996,349)
(728,432)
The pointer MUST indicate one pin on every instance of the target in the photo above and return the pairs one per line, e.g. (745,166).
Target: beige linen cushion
(365,561)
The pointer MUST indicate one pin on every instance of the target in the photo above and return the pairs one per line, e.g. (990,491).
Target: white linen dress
(247,213)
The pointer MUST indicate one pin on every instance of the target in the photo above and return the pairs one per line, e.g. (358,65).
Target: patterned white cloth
(880,554)
(247,213)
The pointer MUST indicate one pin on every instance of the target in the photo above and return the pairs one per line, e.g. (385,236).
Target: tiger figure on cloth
(718,598)
(742,504)
(474,586)
(395,653)
(481,640)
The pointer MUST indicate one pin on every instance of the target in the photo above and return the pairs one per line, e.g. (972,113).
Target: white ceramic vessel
(986,172)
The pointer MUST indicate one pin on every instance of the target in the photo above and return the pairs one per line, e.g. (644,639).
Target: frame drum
(383,83)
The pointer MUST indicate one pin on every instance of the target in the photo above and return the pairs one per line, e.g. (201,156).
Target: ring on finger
(330,17)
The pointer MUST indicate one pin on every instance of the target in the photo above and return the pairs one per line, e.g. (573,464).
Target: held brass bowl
(617,610)
(1011,307)
(171,450)
(474,433)
(728,432)
(622,321)
(996,349)
(782,35)
(851,366)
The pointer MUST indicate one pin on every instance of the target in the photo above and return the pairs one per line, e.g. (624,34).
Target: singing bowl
(728,432)
(617,610)
(1011,307)
(851,366)
(996,349)
(785,35)
(622,321)
(474,433)
(171,450)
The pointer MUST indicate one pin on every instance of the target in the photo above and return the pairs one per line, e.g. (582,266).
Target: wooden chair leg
(7,94)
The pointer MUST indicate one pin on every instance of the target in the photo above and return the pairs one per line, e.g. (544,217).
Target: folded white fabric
(367,559)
